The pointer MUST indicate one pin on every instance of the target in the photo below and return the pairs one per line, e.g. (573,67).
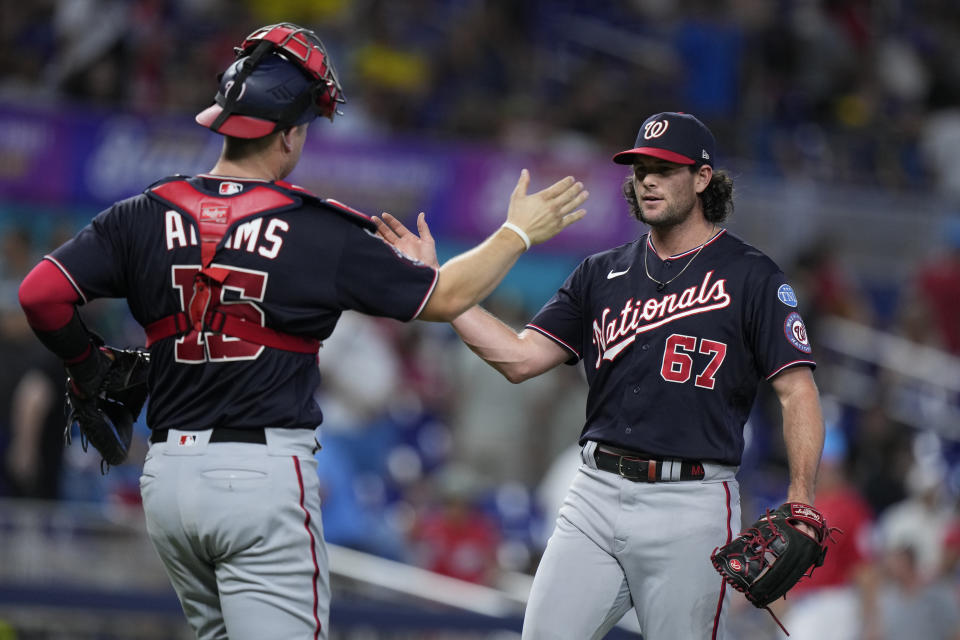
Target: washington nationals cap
(674,137)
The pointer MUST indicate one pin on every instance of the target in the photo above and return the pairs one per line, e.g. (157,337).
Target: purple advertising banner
(35,156)
(92,159)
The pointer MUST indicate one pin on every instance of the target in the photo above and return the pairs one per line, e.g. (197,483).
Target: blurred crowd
(837,90)
(436,460)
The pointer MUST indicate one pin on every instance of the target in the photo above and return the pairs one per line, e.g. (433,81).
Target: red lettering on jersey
(196,296)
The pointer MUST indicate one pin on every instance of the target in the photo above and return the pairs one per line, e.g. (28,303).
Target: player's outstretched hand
(422,247)
(546,213)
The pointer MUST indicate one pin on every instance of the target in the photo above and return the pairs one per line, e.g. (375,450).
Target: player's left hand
(770,556)
(422,247)
(105,394)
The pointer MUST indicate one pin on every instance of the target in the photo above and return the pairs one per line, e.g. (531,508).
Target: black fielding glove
(105,393)
(770,556)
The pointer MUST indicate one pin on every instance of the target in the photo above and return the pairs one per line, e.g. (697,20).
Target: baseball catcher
(770,556)
(105,393)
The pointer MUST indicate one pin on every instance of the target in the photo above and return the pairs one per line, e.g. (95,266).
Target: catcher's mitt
(771,556)
(104,397)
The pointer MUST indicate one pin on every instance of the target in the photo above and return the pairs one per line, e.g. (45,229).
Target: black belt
(640,468)
(220,434)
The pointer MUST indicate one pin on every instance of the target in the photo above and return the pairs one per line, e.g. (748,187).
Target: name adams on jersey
(246,237)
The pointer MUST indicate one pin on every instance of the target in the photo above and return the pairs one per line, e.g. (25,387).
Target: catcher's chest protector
(215,217)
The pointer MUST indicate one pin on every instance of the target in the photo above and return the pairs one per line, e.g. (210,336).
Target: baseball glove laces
(770,556)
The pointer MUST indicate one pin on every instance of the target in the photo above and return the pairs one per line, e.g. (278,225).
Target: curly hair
(717,198)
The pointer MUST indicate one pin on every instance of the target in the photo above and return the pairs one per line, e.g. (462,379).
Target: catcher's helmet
(282,77)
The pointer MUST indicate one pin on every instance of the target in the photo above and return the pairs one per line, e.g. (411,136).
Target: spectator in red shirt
(456,538)
(930,313)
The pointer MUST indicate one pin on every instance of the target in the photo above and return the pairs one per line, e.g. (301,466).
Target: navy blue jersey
(293,270)
(675,372)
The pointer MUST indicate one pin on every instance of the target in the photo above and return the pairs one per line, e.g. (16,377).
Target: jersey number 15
(250,286)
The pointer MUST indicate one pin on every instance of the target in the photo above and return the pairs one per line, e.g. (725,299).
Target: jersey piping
(69,277)
(795,363)
(555,339)
(426,298)
(723,583)
(686,253)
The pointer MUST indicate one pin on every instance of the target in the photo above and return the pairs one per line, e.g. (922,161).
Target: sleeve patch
(796,332)
(787,295)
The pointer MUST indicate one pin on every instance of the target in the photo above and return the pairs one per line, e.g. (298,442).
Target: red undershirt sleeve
(48,297)
(49,300)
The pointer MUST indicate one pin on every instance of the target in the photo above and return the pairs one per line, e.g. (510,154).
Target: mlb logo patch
(187,440)
(230,188)
(214,212)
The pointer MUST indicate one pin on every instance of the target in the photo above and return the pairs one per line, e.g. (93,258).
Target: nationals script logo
(613,335)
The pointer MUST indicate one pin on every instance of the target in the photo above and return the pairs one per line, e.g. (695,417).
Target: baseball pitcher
(675,331)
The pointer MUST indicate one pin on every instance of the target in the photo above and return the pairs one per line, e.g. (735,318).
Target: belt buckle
(622,473)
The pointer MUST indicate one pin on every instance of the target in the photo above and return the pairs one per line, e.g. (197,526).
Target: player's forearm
(491,339)
(473,275)
(49,303)
(516,356)
(803,434)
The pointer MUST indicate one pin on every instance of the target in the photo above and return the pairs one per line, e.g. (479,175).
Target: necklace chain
(663,285)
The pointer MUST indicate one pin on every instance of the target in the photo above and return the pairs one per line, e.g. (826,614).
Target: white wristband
(517,230)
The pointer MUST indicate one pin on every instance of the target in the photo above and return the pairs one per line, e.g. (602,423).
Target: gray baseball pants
(237,526)
(620,544)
